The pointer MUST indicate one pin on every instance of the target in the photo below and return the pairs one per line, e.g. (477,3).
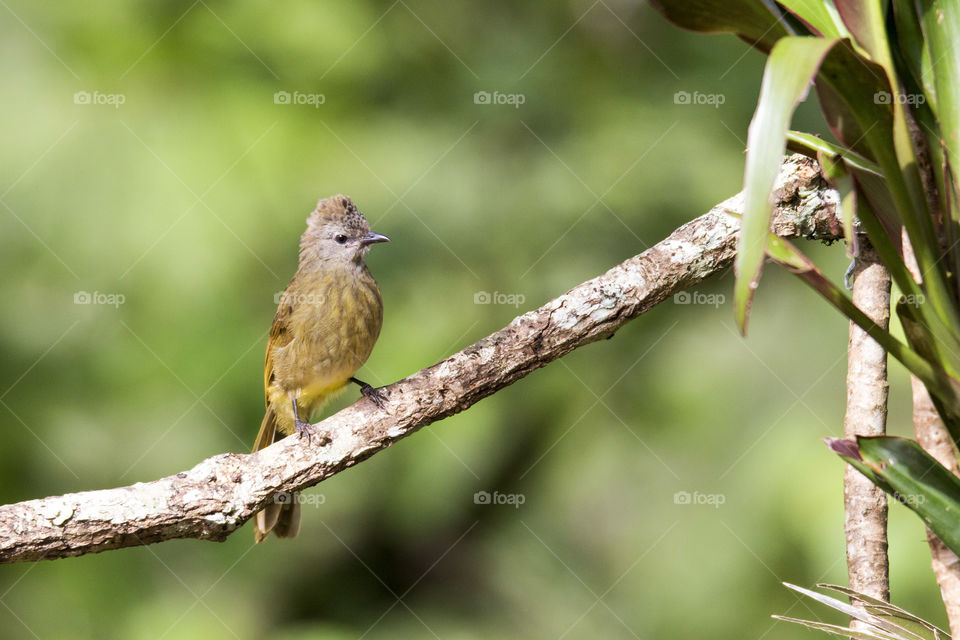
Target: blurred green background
(185,204)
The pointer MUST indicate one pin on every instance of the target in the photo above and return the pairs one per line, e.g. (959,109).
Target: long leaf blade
(790,68)
(758,23)
(820,15)
(942,386)
(940,20)
(810,145)
(902,468)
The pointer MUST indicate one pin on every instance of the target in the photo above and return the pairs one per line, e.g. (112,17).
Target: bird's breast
(335,321)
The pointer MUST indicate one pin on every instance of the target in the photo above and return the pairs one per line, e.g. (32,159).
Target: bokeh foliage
(188,201)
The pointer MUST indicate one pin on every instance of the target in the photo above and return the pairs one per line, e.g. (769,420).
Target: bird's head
(338,232)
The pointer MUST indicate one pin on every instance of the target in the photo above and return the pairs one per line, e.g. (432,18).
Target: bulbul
(326,325)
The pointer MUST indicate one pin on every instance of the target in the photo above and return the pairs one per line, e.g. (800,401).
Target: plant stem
(933,436)
(865,504)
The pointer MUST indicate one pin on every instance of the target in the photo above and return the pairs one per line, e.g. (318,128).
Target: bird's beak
(373,238)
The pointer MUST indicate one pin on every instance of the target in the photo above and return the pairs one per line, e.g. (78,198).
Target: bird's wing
(280,336)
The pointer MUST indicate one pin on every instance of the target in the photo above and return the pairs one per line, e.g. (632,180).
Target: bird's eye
(340,238)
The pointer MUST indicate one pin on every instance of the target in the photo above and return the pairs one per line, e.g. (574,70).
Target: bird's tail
(283,516)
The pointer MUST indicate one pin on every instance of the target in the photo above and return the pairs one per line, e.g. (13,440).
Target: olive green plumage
(325,327)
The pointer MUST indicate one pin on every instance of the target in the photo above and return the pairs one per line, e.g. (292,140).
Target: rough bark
(927,425)
(865,504)
(215,497)
(933,436)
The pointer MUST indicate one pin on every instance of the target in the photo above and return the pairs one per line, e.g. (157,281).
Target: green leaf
(865,20)
(902,468)
(883,225)
(924,340)
(819,15)
(940,385)
(940,20)
(810,145)
(840,119)
(758,23)
(940,23)
(863,88)
(911,52)
(874,190)
(856,99)
(835,171)
(792,64)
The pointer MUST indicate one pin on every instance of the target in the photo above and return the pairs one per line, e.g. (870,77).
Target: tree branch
(215,497)
(865,504)
(933,436)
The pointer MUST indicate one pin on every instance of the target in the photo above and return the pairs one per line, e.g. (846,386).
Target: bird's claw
(305,429)
(374,395)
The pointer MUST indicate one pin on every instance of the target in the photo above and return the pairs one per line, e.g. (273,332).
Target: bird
(328,319)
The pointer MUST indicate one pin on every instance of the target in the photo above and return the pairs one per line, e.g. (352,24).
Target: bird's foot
(374,395)
(305,430)
(371,393)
